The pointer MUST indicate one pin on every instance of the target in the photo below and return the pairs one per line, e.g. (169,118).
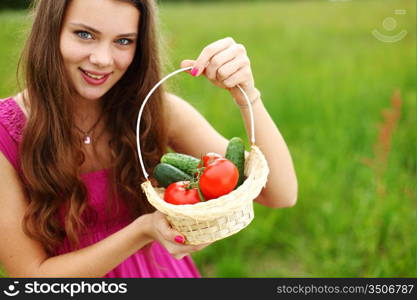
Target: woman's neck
(86,112)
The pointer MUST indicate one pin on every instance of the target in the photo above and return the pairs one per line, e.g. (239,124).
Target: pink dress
(153,262)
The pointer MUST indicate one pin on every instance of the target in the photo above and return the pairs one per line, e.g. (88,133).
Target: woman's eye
(124,42)
(84,35)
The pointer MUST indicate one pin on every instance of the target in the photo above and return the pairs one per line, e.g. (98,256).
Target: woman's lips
(94,78)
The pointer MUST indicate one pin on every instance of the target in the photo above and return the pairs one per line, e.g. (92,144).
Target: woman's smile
(94,78)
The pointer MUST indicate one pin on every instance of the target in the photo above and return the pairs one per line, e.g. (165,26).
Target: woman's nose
(102,56)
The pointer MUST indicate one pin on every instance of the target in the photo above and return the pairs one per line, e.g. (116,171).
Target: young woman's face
(98,42)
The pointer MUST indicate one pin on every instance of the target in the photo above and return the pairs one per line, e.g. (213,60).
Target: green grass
(325,80)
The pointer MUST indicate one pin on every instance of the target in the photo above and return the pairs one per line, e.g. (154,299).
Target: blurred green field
(325,80)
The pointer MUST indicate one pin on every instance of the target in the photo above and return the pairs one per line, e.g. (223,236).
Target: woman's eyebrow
(132,34)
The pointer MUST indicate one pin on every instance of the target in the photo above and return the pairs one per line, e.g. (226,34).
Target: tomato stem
(202,199)
(196,182)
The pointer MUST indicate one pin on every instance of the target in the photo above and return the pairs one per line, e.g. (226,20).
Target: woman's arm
(227,65)
(281,188)
(101,257)
(190,133)
(22,256)
(98,259)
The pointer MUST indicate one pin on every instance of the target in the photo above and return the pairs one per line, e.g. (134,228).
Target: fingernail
(194,71)
(179,239)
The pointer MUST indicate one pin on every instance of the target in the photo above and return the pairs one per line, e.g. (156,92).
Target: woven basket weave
(215,219)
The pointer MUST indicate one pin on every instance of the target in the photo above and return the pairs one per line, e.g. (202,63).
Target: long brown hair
(50,152)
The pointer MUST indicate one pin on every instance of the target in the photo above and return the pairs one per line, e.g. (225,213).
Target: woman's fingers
(179,256)
(180,251)
(242,75)
(220,60)
(200,247)
(187,63)
(209,52)
(166,231)
(226,64)
(231,68)
(173,240)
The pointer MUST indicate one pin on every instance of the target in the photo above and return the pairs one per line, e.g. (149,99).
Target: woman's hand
(226,64)
(158,228)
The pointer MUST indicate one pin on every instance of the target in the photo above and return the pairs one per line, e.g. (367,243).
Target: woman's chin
(90,95)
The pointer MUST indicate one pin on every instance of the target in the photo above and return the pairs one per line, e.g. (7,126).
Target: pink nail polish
(179,239)
(194,71)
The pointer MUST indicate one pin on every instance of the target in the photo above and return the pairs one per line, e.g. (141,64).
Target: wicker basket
(215,219)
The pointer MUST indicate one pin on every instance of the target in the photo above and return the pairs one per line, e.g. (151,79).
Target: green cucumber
(184,162)
(166,174)
(236,154)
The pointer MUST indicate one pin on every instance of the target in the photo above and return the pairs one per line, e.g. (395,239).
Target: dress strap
(12,118)
(12,122)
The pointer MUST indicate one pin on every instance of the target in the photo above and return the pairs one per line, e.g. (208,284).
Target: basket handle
(153,90)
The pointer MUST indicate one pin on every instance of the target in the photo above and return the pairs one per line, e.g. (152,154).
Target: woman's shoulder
(175,105)
(16,100)
(174,110)
(12,117)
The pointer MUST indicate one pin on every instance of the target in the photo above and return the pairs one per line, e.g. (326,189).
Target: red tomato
(177,193)
(210,157)
(219,178)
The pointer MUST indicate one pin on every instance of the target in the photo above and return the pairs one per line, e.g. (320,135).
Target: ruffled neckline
(12,118)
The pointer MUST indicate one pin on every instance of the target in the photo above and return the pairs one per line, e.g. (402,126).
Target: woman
(69,170)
